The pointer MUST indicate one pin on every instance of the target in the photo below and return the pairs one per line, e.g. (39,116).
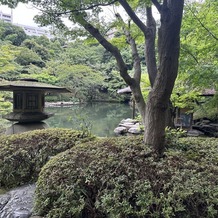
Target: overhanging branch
(135,55)
(57,14)
(133,16)
(108,46)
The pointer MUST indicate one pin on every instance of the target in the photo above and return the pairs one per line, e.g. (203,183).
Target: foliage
(8,54)
(199,47)
(5,107)
(38,49)
(199,50)
(173,136)
(23,155)
(44,75)
(145,85)
(208,108)
(12,33)
(82,80)
(182,98)
(27,57)
(81,53)
(116,177)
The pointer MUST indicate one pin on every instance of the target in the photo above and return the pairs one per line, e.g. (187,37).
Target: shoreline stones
(207,127)
(128,126)
(204,127)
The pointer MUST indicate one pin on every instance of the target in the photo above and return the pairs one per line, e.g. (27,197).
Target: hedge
(23,155)
(117,178)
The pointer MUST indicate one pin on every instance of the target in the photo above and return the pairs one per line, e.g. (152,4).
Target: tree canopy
(126,37)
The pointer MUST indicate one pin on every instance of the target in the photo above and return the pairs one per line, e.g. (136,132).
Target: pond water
(100,118)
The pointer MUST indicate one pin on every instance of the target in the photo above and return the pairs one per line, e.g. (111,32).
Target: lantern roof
(29,84)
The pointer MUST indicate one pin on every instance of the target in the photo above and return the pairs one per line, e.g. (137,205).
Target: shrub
(117,178)
(23,155)
(173,135)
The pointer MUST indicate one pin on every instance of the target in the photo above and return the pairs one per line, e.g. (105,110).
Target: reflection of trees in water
(101,118)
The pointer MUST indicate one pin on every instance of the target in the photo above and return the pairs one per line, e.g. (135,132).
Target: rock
(17,203)
(215,125)
(203,122)
(127,125)
(21,213)
(194,132)
(208,130)
(128,120)
(120,130)
(4,200)
(134,130)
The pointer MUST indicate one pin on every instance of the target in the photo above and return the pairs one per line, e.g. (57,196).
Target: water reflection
(101,118)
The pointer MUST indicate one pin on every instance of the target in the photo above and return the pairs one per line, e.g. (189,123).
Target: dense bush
(23,155)
(118,178)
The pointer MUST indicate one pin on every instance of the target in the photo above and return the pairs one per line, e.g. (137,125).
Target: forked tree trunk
(168,50)
(163,79)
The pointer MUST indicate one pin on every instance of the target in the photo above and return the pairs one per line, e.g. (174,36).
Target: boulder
(120,130)
(127,125)
(17,203)
(135,130)
(194,132)
(128,120)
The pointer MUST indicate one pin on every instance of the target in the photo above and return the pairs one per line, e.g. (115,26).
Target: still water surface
(100,118)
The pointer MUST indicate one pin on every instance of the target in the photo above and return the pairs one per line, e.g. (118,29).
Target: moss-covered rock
(23,155)
(117,177)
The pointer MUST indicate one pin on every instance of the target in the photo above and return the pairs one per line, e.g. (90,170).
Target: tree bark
(168,50)
(163,77)
(150,55)
(134,82)
(135,86)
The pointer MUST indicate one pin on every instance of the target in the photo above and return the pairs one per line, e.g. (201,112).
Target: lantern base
(27,117)
(24,127)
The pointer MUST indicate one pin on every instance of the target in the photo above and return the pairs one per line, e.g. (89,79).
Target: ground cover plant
(118,178)
(23,155)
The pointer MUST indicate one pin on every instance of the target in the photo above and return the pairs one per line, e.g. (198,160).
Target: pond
(100,118)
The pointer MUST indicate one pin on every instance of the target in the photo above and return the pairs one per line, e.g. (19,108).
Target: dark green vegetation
(84,68)
(198,68)
(117,178)
(23,155)
(90,71)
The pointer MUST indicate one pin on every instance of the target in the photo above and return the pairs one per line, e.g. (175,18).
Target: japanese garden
(115,115)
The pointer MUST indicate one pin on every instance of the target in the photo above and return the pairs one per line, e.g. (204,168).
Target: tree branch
(97,5)
(76,10)
(189,52)
(135,55)
(135,87)
(150,54)
(157,5)
(133,16)
(108,46)
(199,20)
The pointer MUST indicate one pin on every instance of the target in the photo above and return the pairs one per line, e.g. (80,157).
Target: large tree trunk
(168,50)
(163,79)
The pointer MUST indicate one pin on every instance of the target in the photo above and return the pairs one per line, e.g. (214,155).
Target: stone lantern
(29,100)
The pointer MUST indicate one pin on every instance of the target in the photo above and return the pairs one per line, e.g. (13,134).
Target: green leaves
(23,155)
(113,177)
(199,47)
(14,34)
(7,59)
(198,68)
